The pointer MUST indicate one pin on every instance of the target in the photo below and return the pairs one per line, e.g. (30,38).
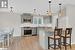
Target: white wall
(68,20)
(10,20)
(63,21)
(71,15)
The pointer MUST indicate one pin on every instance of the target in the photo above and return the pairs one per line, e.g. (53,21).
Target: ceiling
(27,6)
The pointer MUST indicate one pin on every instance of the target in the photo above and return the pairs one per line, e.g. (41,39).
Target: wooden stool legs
(54,44)
(70,42)
(48,43)
(59,43)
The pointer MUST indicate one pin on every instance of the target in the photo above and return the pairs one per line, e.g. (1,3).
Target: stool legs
(59,43)
(54,44)
(65,41)
(48,43)
(65,44)
(70,42)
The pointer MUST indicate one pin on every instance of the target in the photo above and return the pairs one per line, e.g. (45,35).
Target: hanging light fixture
(59,15)
(60,12)
(11,9)
(49,11)
(34,12)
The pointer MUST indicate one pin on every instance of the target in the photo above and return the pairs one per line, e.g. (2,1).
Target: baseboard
(34,34)
(73,43)
(3,48)
(16,36)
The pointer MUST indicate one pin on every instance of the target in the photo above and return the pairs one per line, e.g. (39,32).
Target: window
(3,3)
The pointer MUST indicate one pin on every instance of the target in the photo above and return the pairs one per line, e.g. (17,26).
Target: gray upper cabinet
(26,18)
(37,20)
(43,19)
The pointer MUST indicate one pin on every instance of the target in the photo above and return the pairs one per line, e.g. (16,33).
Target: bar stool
(56,36)
(65,36)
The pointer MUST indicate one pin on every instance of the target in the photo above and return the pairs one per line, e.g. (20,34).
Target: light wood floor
(29,43)
(25,43)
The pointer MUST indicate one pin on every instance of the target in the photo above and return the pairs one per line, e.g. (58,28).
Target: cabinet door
(37,20)
(40,20)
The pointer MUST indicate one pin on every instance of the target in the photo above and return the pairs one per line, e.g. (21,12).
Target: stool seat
(67,36)
(56,37)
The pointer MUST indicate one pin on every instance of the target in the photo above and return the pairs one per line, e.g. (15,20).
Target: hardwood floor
(29,43)
(25,43)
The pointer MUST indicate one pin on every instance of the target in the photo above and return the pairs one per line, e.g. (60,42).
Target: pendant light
(59,15)
(49,11)
(11,9)
(60,12)
(34,12)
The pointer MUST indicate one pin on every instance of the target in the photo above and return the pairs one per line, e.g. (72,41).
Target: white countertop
(35,25)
